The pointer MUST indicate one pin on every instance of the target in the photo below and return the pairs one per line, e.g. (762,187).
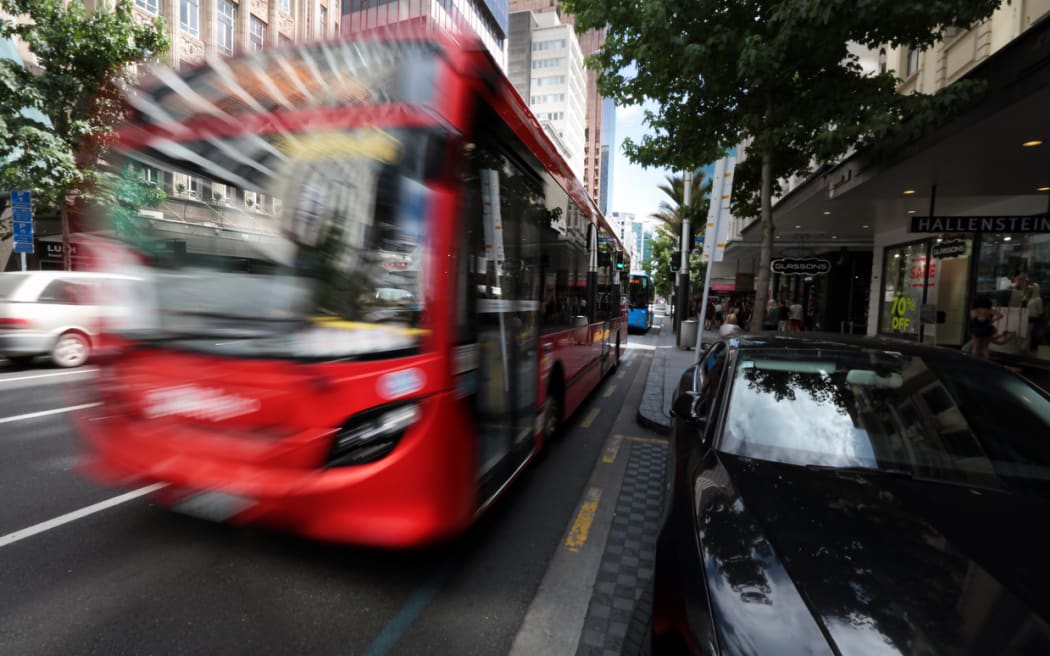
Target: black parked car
(857,496)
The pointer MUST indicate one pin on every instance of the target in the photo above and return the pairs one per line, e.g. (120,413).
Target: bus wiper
(161,336)
(225,316)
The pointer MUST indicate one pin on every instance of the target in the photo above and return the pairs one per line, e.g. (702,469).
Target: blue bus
(640,294)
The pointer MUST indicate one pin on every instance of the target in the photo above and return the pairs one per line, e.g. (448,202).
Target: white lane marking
(78,372)
(29,532)
(643,347)
(44,413)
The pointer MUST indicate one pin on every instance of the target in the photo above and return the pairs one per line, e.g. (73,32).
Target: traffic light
(618,257)
(676,260)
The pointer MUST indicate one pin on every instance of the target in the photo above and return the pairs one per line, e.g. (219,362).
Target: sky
(634,189)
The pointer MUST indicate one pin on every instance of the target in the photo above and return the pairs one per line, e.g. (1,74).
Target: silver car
(54,313)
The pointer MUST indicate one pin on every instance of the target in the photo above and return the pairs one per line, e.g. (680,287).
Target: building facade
(546,68)
(590,42)
(923,228)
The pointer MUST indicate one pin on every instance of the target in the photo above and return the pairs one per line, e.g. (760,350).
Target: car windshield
(308,244)
(949,419)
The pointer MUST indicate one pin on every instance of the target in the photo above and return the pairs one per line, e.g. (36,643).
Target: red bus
(372,293)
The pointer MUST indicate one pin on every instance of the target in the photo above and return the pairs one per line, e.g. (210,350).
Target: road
(132,578)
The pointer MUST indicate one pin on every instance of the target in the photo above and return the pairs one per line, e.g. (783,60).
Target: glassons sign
(800,266)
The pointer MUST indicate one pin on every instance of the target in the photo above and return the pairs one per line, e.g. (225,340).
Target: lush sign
(800,266)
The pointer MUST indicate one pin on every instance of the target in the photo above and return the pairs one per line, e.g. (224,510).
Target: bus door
(504,274)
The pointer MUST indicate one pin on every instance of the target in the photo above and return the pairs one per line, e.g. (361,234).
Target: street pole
(682,298)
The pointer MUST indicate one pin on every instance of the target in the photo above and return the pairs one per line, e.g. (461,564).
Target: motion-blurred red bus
(372,292)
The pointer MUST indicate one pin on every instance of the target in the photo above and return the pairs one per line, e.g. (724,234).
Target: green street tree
(83,62)
(776,74)
(670,213)
(664,243)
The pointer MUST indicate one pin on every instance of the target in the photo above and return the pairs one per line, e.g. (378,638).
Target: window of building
(185,186)
(551,44)
(323,16)
(152,6)
(911,65)
(548,98)
(226,20)
(285,6)
(190,16)
(547,81)
(257,34)
(548,63)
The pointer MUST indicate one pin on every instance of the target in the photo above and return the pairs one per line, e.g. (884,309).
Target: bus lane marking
(36,529)
(581,526)
(44,413)
(589,419)
(609,391)
(609,457)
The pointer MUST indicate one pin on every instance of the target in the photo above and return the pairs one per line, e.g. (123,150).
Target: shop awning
(723,287)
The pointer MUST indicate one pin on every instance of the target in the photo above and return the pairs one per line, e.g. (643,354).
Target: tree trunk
(765,254)
(67,250)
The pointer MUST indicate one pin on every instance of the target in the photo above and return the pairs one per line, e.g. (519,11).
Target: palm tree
(670,214)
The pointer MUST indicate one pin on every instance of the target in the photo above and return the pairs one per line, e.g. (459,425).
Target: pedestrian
(982,325)
(782,317)
(718,312)
(795,317)
(730,327)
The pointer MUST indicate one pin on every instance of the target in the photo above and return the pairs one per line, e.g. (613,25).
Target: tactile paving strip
(622,599)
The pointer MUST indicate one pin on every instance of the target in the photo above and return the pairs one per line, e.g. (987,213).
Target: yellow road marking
(610,454)
(609,391)
(589,419)
(581,528)
(648,440)
(620,375)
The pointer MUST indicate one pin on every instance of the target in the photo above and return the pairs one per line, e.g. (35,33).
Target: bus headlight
(370,435)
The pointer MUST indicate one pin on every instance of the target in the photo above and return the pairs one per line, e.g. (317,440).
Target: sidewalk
(669,362)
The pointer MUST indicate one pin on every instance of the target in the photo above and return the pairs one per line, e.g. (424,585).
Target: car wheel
(71,350)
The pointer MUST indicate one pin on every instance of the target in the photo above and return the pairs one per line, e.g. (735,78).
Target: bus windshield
(307,244)
(640,291)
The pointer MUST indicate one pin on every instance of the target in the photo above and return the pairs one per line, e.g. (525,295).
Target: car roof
(818,341)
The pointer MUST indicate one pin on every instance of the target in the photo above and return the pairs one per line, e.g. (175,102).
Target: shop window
(1014,271)
(903,280)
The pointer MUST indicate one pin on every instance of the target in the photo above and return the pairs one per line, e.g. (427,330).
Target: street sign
(23,247)
(698,239)
(23,228)
(21,199)
(23,237)
(21,214)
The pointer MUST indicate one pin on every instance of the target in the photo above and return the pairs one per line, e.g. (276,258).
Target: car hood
(883,565)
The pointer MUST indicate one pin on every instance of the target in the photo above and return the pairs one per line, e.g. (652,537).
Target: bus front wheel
(553,409)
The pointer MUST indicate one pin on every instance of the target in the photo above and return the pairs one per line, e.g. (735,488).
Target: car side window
(712,367)
(59,291)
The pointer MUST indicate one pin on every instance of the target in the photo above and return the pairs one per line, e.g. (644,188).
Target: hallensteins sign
(939,224)
(800,266)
